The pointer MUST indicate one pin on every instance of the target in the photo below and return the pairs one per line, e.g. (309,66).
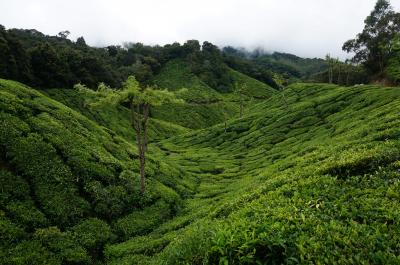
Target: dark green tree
(191,47)
(81,43)
(47,66)
(14,59)
(113,50)
(374,45)
(63,34)
(393,69)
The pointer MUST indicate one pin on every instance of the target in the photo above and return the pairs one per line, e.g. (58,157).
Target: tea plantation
(309,175)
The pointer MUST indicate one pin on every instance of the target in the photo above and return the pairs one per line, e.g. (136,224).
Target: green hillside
(309,175)
(196,154)
(68,184)
(204,106)
(292,65)
(110,117)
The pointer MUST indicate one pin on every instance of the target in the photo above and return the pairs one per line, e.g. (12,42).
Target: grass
(306,177)
(116,119)
(204,106)
(309,175)
(52,154)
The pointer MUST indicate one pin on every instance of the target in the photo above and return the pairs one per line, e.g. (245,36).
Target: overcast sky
(308,28)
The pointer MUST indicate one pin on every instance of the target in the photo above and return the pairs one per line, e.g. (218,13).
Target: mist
(307,28)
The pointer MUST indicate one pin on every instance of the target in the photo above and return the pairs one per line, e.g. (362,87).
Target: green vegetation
(60,169)
(393,69)
(310,181)
(374,47)
(139,101)
(57,62)
(176,75)
(113,117)
(203,106)
(235,168)
(308,175)
(291,66)
(288,67)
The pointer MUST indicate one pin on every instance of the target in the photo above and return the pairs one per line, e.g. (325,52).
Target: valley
(189,152)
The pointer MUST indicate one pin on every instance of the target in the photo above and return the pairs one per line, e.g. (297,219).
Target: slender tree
(140,100)
(330,62)
(348,67)
(240,91)
(339,69)
(225,121)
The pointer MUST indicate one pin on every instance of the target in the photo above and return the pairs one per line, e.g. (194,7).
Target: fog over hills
(310,28)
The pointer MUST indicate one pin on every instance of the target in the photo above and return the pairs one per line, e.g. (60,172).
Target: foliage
(251,68)
(374,45)
(14,59)
(393,68)
(139,101)
(342,73)
(50,155)
(55,61)
(307,175)
(203,105)
(309,181)
(92,233)
(262,66)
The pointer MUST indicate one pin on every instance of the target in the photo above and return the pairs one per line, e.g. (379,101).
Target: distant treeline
(45,61)
(376,57)
(292,68)
(288,65)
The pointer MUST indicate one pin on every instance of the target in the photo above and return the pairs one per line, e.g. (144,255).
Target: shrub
(51,179)
(61,244)
(92,233)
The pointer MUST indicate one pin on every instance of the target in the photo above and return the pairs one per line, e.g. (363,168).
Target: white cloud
(310,28)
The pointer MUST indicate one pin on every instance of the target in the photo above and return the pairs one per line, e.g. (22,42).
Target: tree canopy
(139,100)
(373,47)
(58,62)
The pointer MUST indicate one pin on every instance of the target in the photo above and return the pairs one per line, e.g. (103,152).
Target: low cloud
(308,28)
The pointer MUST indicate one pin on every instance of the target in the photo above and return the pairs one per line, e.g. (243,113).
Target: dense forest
(197,154)
(45,61)
(55,61)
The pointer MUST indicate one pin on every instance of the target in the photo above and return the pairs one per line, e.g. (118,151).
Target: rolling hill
(307,175)
(310,176)
(204,106)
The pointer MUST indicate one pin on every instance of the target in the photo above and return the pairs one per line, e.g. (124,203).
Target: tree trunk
(225,125)
(139,123)
(381,68)
(241,108)
(142,173)
(330,74)
(284,98)
(144,148)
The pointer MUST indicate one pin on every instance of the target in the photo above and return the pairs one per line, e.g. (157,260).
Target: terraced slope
(310,175)
(69,185)
(204,105)
(117,119)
